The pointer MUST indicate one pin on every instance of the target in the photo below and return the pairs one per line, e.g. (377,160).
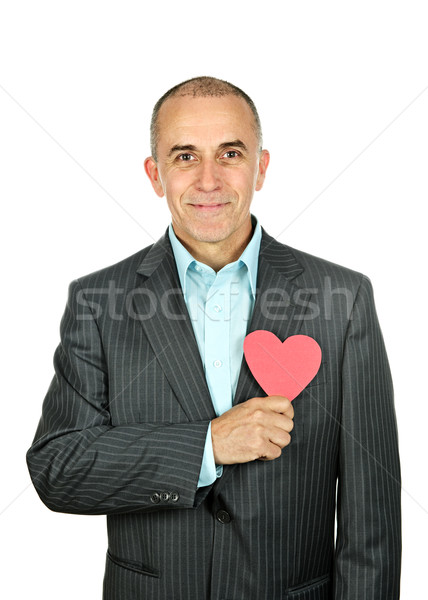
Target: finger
(271,452)
(279,404)
(289,412)
(282,405)
(271,420)
(281,421)
(279,437)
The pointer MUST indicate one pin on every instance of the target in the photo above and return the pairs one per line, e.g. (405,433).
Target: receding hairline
(201,87)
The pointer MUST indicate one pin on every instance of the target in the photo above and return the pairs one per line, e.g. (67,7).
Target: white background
(341,89)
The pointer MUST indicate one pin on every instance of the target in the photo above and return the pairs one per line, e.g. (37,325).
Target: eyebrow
(235,144)
(185,148)
(191,148)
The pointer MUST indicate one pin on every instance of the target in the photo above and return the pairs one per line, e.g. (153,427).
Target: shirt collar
(250,256)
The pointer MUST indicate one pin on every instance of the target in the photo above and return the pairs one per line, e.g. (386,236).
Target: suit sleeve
(368,545)
(80,463)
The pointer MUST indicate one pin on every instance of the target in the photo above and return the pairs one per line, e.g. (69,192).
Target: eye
(231,154)
(185,157)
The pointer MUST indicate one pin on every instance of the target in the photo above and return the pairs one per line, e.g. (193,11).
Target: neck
(217,254)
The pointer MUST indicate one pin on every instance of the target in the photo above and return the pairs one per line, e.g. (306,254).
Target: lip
(209,207)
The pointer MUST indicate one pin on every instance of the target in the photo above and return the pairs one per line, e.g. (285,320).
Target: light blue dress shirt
(220,306)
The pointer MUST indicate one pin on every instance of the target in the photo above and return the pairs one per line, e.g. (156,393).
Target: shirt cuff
(209,470)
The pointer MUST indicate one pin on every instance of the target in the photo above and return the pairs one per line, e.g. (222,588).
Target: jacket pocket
(320,377)
(132,566)
(316,589)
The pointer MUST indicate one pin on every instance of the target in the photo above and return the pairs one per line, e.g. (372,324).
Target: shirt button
(217,308)
(223,517)
(217,363)
(198,268)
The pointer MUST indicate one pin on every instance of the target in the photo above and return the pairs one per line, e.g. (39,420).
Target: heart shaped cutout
(282,368)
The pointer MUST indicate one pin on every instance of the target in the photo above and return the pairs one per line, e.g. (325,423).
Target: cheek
(176,185)
(246,184)
(246,176)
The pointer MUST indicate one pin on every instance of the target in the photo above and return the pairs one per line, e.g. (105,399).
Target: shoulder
(315,267)
(337,292)
(333,279)
(306,269)
(122,273)
(329,284)
(302,265)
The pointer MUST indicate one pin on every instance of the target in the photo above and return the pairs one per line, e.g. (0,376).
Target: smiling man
(208,164)
(211,488)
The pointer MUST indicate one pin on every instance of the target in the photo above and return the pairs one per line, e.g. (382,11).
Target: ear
(263,165)
(152,171)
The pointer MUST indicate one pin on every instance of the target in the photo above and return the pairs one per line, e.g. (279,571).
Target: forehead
(205,120)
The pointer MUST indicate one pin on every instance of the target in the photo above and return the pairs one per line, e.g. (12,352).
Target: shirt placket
(217,347)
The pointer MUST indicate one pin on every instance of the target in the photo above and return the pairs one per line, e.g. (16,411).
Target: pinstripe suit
(123,429)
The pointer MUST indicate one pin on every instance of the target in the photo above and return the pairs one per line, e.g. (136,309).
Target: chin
(207,234)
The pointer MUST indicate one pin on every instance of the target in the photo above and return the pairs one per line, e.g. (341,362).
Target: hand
(257,428)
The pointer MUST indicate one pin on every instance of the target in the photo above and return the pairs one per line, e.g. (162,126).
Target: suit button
(174,496)
(165,496)
(155,498)
(223,517)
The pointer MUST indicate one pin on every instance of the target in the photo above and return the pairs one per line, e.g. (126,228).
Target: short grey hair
(201,87)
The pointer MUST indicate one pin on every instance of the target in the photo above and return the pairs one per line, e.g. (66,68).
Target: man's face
(208,165)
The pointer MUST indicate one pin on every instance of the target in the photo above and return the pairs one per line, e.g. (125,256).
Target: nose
(208,176)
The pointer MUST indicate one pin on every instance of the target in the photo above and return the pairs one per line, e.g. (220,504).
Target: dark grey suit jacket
(124,423)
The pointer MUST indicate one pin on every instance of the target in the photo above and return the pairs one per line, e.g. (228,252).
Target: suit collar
(279,256)
(158,252)
(249,257)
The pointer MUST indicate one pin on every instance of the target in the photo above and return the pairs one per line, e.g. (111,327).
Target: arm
(368,548)
(79,462)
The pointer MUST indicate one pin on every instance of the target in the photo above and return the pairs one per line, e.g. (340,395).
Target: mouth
(211,207)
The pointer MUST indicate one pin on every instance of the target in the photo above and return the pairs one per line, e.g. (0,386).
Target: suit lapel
(162,311)
(279,306)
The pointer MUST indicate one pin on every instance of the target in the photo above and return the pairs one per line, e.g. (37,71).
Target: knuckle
(258,431)
(260,447)
(257,415)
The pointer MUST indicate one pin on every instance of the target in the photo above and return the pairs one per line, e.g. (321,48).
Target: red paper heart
(282,368)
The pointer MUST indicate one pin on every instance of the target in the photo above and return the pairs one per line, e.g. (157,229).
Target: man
(211,489)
